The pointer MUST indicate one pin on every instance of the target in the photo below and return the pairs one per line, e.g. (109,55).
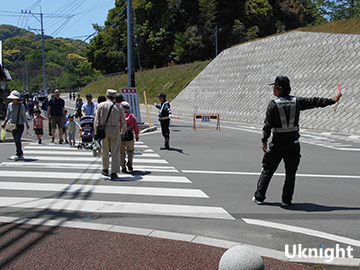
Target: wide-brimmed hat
(14,95)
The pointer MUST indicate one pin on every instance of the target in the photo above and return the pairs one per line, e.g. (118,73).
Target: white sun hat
(14,95)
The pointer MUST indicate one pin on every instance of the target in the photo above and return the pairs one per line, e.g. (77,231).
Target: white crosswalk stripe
(85,166)
(92,176)
(137,159)
(117,207)
(176,192)
(68,172)
(78,153)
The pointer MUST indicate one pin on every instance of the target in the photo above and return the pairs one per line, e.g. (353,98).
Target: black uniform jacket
(273,120)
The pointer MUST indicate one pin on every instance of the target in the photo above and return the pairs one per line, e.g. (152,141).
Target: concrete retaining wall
(235,84)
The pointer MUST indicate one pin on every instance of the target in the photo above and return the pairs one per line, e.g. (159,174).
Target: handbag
(100,131)
(11,127)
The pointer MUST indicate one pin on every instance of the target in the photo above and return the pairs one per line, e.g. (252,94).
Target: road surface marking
(175,192)
(64,148)
(301,230)
(91,159)
(117,207)
(275,174)
(93,176)
(58,165)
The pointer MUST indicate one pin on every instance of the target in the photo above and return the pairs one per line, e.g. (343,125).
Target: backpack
(129,135)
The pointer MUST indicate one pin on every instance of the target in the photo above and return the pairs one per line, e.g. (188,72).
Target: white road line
(332,147)
(36,144)
(92,176)
(64,148)
(301,230)
(117,207)
(276,174)
(58,165)
(92,159)
(174,192)
(220,172)
(75,153)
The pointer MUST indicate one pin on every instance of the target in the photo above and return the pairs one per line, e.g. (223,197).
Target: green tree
(239,32)
(339,9)
(258,12)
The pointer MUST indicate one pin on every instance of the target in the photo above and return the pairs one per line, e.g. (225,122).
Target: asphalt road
(217,173)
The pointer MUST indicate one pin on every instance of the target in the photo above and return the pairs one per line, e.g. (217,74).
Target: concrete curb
(347,264)
(146,130)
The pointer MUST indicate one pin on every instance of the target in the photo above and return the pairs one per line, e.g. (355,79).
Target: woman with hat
(16,115)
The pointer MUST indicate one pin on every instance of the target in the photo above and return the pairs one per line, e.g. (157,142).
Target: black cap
(119,98)
(88,96)
(282,81)
(163,95)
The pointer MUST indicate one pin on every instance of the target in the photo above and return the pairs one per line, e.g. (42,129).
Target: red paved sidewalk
(46,247)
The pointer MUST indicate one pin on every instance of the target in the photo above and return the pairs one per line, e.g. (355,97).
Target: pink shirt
(131,121)
(38,121)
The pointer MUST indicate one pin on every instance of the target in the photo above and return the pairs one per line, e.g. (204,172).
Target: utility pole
(216,47)
(130,45)
(1,54)
(43,49)
(42,40)
(26,75)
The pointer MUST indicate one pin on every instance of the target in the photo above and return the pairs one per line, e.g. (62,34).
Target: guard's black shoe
(113,176)
(123,170)
(105,172)
(130,167)
(285,205)
(165,147)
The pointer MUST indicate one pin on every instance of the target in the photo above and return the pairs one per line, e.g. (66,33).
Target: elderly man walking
(111,115)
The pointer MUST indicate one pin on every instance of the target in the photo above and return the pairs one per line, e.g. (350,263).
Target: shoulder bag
(11,127)
(100,132)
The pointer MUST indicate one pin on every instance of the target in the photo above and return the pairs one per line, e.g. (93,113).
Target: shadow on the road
(134,176)
(179,151)
(30,159)
(312,207)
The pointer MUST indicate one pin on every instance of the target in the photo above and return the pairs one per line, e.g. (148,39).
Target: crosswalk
(60,178)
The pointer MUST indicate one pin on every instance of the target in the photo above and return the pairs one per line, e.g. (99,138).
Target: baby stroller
(86,132)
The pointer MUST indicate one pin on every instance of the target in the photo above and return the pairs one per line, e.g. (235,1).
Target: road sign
(131,95)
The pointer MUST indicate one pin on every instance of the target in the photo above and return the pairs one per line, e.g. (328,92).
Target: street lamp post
(130,45)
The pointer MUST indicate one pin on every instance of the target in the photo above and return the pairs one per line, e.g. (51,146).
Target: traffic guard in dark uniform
(282,119)
(164,118)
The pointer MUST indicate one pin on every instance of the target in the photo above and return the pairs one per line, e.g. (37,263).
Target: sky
(62,18)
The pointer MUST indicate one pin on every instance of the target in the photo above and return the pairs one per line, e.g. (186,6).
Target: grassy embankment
(172,80)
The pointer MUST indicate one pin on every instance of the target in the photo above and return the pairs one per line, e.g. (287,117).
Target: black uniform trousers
(165,130)
(290,153)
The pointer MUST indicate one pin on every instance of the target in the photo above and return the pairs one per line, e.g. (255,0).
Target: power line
(62,26)
(67,9)
(35,5)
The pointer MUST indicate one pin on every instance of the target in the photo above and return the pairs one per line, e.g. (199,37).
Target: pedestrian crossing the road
(60,178)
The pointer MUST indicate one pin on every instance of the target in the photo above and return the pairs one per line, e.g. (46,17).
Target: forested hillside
(66,64)
(185,30)
(166,31)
